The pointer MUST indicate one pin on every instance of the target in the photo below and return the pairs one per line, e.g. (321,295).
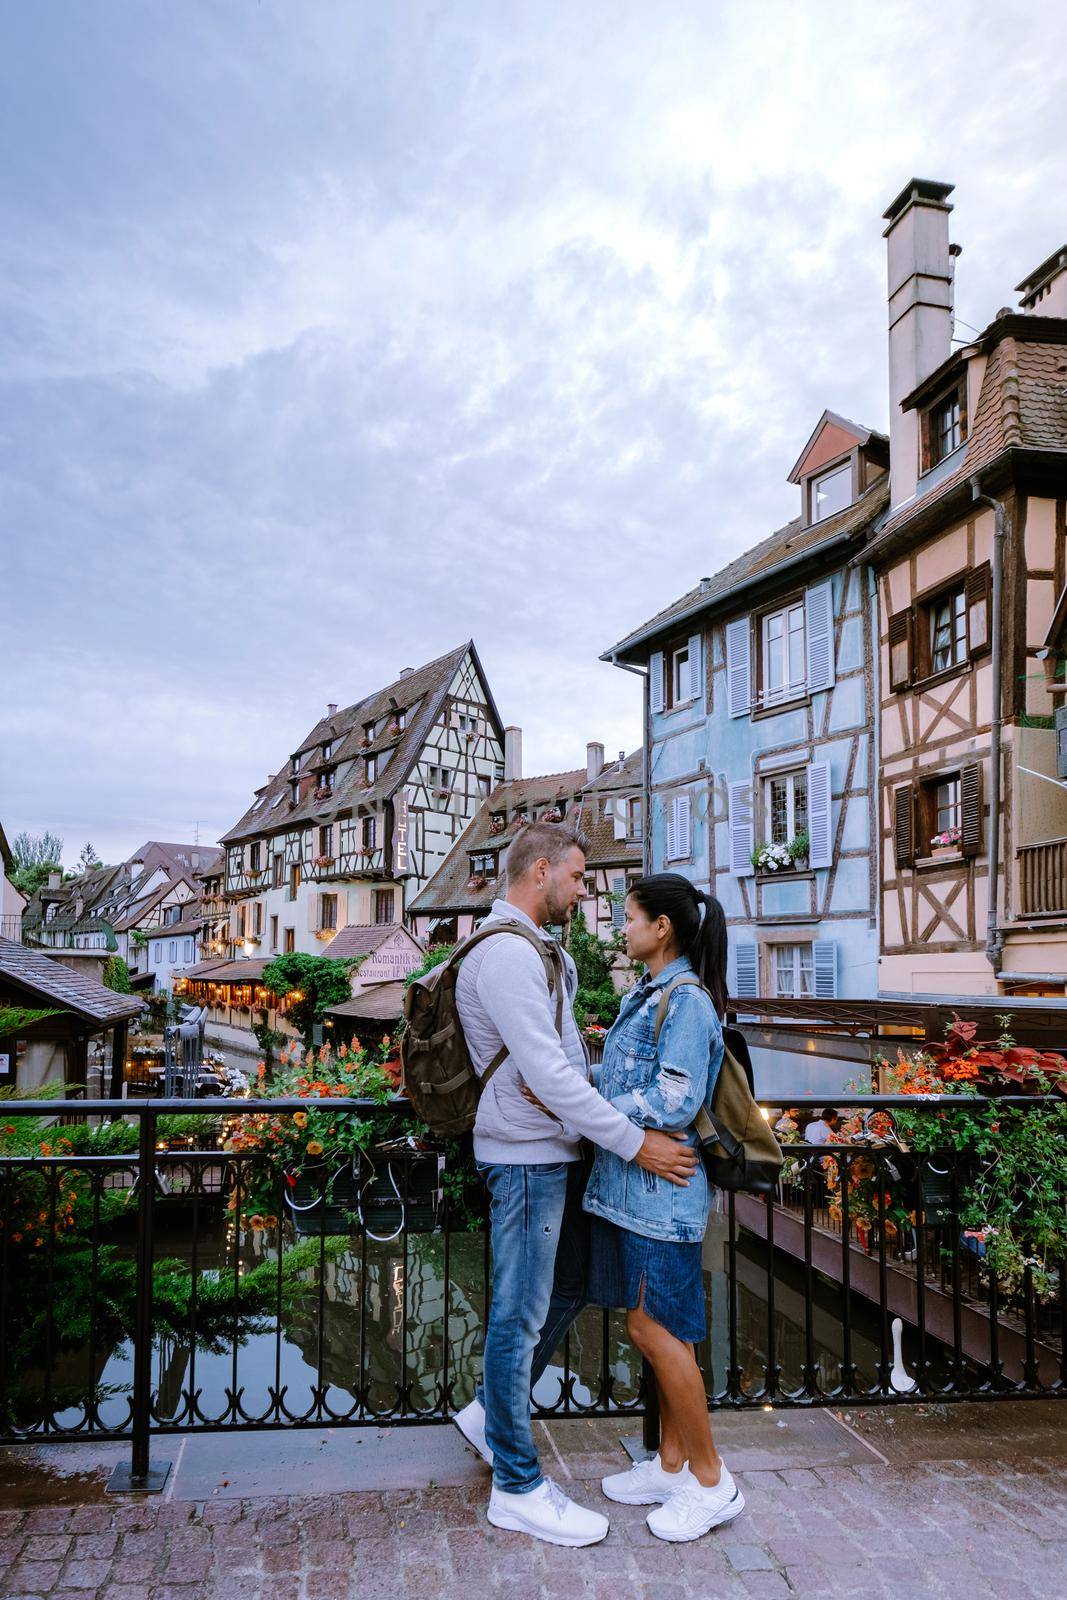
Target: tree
(36,855)
(89,861)
(311,984)
(597,999)
(117,975)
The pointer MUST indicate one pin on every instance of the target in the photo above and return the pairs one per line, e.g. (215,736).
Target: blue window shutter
(738,667)
(819,620)
(742,829)
(824,957)
(820,815)
(747,959)
(655,681)
(618,908)
(696,667)
(683,818)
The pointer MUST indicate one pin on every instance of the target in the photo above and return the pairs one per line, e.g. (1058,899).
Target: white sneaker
(692,1510)
(546,1513)
(471,1424)
(646,1484)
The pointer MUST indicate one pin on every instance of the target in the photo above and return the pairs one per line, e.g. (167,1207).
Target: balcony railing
(1043,873)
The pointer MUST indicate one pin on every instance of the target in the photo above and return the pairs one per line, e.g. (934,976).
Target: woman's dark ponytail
(699,926)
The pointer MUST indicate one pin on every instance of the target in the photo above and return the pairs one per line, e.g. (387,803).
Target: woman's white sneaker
(646,1483)
(547,1514)
(471,1424)
(694,1510)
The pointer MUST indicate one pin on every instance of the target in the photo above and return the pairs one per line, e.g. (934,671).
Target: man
(788,1123)
(530,1159)
(819,1132)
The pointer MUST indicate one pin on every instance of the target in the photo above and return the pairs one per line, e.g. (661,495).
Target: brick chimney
(331,709)
(919,263)
(405,672)
(1044,291)
(594,761)
(55,879)
(512,754)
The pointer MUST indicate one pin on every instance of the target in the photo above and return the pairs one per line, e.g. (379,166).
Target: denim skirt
(621,1262)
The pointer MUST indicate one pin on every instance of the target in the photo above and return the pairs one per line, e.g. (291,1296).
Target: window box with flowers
(552,815)
(393,730)
(775,858)
(946,843)
(478,881)
(496,826)
(322,862)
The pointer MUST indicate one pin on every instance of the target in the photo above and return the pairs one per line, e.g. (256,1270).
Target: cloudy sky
(334,334)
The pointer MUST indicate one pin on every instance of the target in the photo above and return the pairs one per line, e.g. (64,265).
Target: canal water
(412,1333)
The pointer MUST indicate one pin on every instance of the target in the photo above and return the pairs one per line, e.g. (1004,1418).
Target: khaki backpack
(737,1146)
(437,1073)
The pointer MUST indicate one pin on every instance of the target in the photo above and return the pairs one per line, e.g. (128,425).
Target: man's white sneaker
(693,1510)
(547,1514)
(646,1483)
(471,1424)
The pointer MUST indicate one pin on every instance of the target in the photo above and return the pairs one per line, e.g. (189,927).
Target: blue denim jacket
(660,1086)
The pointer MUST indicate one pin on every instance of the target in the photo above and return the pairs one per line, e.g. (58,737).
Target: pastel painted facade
(12,900)
(973,847)
(759,729)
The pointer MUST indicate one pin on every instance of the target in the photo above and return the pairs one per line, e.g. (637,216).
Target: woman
(647,1234)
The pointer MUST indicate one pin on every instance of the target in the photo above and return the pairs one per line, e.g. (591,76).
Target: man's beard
(559,912)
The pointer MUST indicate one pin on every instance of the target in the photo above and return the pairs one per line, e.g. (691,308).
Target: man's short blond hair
(542,841)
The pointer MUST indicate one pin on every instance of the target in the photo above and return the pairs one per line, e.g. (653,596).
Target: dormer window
(944,427)
(372,769)
(484,865)
(401,720)
(294,791)
(830,492)
(327,750)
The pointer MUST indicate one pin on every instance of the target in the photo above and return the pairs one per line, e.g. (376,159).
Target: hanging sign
(401,834)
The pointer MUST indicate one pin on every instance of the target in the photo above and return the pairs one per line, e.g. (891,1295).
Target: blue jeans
(540,1255)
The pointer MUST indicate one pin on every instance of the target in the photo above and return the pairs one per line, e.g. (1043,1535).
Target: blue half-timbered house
(759,733)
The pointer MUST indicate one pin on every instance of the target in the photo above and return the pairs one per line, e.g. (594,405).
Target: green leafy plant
(597,1000)
(117,975)
(310,985)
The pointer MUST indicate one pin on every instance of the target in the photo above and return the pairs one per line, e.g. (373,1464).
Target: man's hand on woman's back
(668,1156)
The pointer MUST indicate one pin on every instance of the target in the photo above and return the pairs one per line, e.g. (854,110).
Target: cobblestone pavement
(907,1531)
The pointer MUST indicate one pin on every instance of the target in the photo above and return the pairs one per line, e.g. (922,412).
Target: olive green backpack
(737,1146)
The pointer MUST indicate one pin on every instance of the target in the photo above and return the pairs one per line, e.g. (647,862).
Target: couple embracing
(627,1233)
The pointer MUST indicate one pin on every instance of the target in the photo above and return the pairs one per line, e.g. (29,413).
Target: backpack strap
(553,965)
(706,1127)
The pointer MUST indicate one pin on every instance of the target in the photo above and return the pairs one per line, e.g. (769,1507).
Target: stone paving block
(748,1557)
(86,1574)
(35,1577)
(46,1547)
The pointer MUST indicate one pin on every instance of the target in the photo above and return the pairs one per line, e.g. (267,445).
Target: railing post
(140,1477)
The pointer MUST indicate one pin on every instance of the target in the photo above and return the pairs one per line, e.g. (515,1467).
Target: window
(187,950)
(173,914)
(498,772)
(679,675)
(946,620)
(326,780)
(401,719)
(370,833)
(172,950)
(792,971)
(372,769)
(831,492)
(274,933)
(785,799)
(634,818)
(257,918)
(294,881)
(485,785)
(157,952)
(294,791)
(383,906)
(943,812)
(783,664)
(437,778)
(466,721)
(327,750)
(326,840)
(944,427)
(290,940)
(484,865)
(242,920)
(253,857)
(277,873)
(940,813)
(327,911)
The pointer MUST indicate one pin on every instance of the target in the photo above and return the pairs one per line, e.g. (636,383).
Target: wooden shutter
(685,827)
(672,833)
(696,667)
(977,588)
(904,825)
(618,907)
(900,651)
(747,959)
(655,681)
(742,829)
(820,815)
(972,829)
(738,667)
(824,959)
(819,629)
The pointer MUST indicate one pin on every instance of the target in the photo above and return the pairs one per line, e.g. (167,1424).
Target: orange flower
(300,1118)
(314,1148)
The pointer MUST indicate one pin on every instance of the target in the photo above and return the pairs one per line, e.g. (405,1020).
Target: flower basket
(943,851)
(326,1198)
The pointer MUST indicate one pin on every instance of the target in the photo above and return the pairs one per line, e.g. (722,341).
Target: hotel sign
(401,834)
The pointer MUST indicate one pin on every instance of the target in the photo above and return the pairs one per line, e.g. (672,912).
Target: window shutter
(972,832)
(819,619)
(977,592)
(618,909)
(742,830)
(824,958)
(820,815)
(655,681)
(683,826)
(738,667)
(747,958)
(900,651)
(904,825)
(696,671)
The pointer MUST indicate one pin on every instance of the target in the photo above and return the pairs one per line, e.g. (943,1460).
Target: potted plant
(322,862)
(477,881)
(946,843)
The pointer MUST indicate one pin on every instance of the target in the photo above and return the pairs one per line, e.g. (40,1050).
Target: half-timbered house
(969,564)
(759,731)
(364,810)
(612,819)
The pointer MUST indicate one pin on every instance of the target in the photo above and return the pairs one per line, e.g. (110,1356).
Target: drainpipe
(646,777)
(994,942)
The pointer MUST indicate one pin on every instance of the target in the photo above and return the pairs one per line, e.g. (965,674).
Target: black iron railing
(151,1291)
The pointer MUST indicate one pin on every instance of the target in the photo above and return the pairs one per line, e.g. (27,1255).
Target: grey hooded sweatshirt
(503,999)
